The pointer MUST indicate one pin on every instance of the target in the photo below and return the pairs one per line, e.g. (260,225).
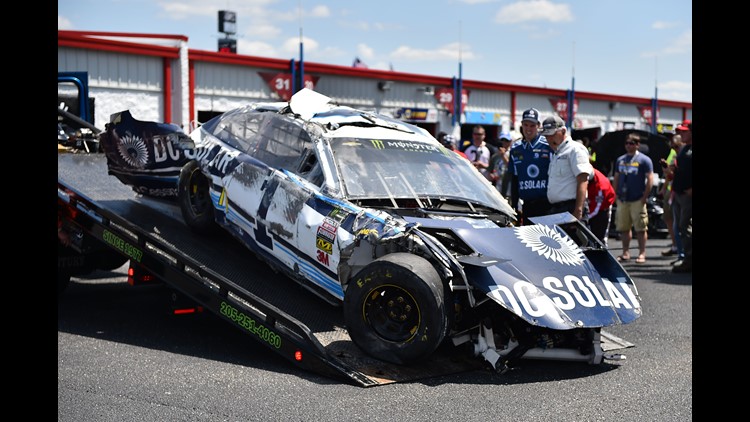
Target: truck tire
(63,280)
(108,260)
(69,263)
(195,200)
(394,308)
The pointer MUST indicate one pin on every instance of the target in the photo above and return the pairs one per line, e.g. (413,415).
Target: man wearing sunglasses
(478,152)
(633,181)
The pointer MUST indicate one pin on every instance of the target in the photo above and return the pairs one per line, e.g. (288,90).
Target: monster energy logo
(338,215)
(378,144)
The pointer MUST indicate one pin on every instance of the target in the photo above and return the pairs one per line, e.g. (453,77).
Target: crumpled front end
(543,277)
(539,291)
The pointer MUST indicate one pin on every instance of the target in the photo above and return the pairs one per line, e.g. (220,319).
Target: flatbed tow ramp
(224,277)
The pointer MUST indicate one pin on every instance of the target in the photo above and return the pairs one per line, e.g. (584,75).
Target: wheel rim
(198,193)
(392,313)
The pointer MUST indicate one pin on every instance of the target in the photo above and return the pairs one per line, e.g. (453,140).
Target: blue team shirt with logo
(529,161)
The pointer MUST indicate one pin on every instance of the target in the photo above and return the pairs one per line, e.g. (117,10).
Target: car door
(288,222)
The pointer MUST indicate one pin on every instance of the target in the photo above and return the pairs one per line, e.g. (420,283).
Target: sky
(637,48)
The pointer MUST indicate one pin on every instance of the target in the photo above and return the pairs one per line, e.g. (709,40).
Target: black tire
(63,280)
(109,260)
(394,309)
(69,263)
(195,200)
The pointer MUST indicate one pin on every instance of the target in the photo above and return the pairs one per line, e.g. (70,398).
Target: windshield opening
(395,169)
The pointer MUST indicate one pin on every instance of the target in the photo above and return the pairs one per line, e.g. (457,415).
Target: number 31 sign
(281,83)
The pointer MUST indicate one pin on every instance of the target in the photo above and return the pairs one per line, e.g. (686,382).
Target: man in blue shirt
(528,169)
(633,181)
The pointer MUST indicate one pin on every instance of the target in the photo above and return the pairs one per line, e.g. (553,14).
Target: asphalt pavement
(122,357)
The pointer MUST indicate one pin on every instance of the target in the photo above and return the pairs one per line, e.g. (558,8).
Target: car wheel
(195,200)
(394,308)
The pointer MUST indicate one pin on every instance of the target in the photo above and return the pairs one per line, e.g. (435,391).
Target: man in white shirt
(477,152)
(569,170)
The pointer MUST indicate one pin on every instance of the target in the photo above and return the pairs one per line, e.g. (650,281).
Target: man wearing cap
(527,169)
(569,170)
(682,186)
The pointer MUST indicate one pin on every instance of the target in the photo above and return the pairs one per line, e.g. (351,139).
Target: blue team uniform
(529,161)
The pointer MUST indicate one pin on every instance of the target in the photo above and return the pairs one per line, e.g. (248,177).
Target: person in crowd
(682,186)
(667,198)
(499,165)
(601,197)
(569,170)
(478,152)
(527,170)
(462,145)
(633,182)
(591,148)
(449,142)
(441,137)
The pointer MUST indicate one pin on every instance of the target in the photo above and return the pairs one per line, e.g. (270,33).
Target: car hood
(540,274)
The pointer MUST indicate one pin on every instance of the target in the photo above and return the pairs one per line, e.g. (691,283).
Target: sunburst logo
(133,150)
(550,244)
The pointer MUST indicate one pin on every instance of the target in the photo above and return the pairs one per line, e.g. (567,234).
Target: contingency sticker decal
(326,235)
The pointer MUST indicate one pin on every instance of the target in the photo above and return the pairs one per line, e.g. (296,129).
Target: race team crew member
(569,170)
(528,167)
(601,197)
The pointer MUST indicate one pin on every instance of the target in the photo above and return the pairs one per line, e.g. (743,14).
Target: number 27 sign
(561,107)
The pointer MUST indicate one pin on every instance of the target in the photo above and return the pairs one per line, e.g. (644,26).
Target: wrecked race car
(374,215)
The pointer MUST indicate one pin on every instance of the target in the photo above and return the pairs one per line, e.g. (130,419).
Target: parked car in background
(374,215)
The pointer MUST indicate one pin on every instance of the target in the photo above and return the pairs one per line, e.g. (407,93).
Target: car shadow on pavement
(110,309)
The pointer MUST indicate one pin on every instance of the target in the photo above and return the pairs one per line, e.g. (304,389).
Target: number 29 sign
(445,97)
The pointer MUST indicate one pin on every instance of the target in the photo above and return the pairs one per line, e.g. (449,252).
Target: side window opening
(308,161)
(310,169)
(240,130)
(282,142)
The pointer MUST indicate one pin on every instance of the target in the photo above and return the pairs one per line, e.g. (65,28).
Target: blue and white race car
(375,214)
